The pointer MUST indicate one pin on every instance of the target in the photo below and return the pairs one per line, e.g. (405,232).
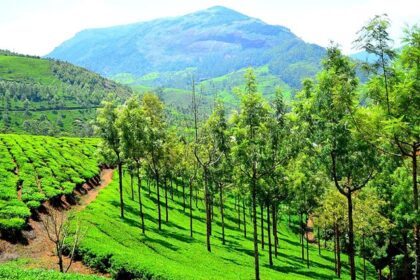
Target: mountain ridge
(210,43)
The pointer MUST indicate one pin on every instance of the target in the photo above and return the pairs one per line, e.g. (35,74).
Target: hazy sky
(37,26)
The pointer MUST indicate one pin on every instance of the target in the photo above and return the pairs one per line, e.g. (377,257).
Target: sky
(36,27)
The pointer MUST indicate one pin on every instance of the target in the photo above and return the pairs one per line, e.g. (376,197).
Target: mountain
(45,96)
(209,44)
(364,56)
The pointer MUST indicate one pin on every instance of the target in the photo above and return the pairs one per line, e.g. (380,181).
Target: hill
(209,43)
(44,96)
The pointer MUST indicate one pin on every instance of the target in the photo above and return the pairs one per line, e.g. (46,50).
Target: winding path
(39,248)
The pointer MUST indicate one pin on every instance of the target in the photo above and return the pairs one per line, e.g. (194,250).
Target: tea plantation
(13,270)
(36,168)
(118,246)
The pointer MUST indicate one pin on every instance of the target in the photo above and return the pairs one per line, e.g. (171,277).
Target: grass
(17,68)
(117,245)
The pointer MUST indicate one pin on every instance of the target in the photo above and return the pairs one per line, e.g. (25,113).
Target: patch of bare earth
(310,230)
(36,245)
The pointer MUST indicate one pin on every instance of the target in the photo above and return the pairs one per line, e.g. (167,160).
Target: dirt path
(106,178)
(310,230)
(40,250)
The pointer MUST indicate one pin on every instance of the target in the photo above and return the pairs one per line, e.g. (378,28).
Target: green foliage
(31,86)
(35,168)
(14,270)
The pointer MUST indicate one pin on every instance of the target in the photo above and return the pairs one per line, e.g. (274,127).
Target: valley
(208,145)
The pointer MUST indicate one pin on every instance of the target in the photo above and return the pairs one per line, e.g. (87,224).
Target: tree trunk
(140,202)
(183,197)
(222,214)
(244,216)
(254,219)
(131,184)
(351,237)
(416,212)
(335,252)
(158,199)
(364,257)
(211,213)
(337,237)
(302,238)
(319,241)
(60,258)
(406,262)
(172,188)
(166,201)
(270,252)
(239,213)
(262,225)
(307,244)
(191,213)
(212,207)
(325,238)
(121,187)
(208,217)
(196,198)
(276,238)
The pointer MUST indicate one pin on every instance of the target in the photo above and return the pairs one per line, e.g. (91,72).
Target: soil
(310,230)
(37,247)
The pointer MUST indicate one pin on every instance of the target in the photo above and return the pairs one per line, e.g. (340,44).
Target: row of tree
(340,155)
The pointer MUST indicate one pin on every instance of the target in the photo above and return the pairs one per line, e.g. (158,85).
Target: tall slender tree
(107,129)
(349,159)
(156,133)
(131,123)
(250,133)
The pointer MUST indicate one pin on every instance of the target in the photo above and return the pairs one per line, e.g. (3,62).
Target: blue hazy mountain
(209,43)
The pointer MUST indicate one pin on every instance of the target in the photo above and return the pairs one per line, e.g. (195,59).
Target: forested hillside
(48,97)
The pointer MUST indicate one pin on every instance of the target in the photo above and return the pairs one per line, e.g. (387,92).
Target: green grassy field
(26,69)
(117,245)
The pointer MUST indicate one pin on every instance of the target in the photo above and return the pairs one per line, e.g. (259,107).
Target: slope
(36,168)
(41,96)
(117,245)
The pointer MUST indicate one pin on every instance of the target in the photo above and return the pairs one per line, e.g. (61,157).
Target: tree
(207,153)
(221,170)
(131,123)
(332,214)
(107,129)
(374,39)
(250,133)
(57,225)
(393,122)
(155,129)
(349,159)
